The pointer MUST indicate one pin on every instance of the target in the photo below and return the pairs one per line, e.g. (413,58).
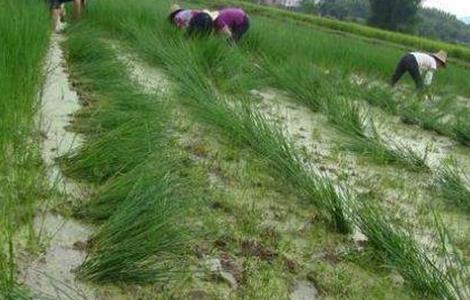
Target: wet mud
(51,275)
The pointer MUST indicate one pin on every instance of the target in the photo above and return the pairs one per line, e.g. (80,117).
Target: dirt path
(51,275)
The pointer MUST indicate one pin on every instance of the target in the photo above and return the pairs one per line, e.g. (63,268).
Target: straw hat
(441,56)
(214,14)
(174,8)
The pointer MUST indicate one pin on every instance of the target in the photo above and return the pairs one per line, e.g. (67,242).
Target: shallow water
(59,101)
(51,275)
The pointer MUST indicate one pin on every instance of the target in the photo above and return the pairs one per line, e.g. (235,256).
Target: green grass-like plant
(137,241)
(24,37)
(457,51)
(399,250)
(127,152)
(186,64)
(452,186)
(461,129)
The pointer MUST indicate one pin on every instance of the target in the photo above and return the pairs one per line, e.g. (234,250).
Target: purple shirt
(231,17)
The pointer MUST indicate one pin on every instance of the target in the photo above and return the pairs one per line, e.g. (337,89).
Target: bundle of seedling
(139,194)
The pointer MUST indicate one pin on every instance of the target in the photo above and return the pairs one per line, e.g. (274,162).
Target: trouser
(55,4)
(200,24)
(239,30)
(408,64)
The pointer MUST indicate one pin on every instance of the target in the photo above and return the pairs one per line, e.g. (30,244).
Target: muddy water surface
(51,275)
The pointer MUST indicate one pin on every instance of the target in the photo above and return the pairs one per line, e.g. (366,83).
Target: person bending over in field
(421,67)
(196,22)
(233,22)
(58,12)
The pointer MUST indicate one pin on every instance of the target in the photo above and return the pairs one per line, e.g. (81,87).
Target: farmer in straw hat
(58,12)
(196,22)
(421,67)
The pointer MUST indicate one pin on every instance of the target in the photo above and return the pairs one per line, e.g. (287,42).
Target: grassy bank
(24,34)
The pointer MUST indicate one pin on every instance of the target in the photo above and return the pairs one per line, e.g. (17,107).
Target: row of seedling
(329,94)
(139,195)
(440,115)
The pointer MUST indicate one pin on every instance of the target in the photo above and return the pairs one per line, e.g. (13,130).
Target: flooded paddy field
(176,168)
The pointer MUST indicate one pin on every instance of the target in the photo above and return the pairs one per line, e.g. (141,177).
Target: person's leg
(56,12)
(413,69)
(62,12)
(78,6)
(401,68)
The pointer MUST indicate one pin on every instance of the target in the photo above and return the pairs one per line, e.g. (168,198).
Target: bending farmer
(233,22)
(58,11)
(194,21)
(421,67)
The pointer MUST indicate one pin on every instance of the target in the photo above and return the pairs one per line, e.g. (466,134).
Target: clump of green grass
(450,182)
(457,271)
(461,129)
(414,113)
(303,80)
(347,116)
(379,97)
(127,152)
(399,250)
(24,36)
(109,196)
(362,136)
(136,243)
(272,144)
(118,151)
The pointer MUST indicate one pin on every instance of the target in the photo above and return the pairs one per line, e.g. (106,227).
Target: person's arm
(226,30)
(179,23)
(428,77)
